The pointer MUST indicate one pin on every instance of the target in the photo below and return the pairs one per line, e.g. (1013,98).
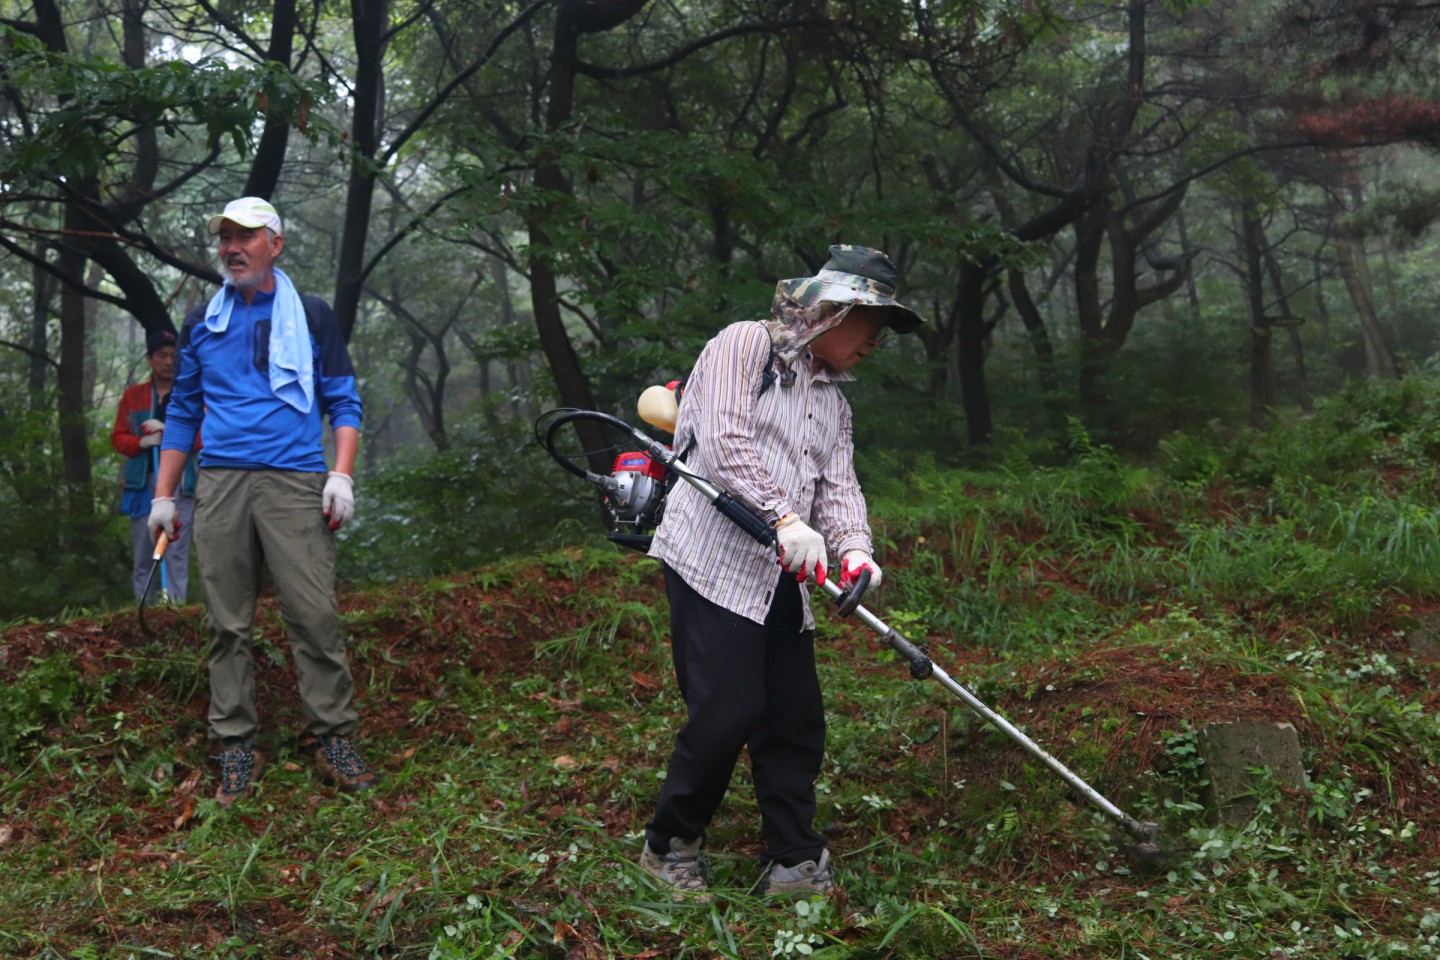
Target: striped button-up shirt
(789,450)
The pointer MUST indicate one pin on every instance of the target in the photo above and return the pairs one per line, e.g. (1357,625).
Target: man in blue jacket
(261,364)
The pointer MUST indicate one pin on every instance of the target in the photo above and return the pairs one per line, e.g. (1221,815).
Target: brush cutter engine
(635,493)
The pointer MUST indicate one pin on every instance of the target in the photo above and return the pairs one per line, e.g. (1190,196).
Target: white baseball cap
(249,212)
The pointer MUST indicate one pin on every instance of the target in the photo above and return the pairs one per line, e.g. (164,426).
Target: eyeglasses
(875,318)
(878,330)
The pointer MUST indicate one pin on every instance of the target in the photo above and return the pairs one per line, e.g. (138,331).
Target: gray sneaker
(802,880)
(681,868)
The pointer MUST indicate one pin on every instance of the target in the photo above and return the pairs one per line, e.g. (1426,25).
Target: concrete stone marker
(1423,638)
(1232,750)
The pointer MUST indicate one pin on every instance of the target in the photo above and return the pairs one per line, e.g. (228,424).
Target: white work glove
(153,431)
(338,500)
(802,549)
(852,563)
(162,517)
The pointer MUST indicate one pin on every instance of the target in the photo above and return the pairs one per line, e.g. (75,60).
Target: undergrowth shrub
(56,561)
(483,500)
(45,693)
(1367,424)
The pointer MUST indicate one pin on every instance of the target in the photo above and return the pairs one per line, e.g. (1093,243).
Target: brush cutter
(1143,837)
(162,543)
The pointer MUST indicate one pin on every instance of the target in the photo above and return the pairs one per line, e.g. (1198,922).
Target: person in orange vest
(139,428)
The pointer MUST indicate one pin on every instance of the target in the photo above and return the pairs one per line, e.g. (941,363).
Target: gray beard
(250,284)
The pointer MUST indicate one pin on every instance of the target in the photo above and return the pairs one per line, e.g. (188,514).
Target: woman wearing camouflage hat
(742,632)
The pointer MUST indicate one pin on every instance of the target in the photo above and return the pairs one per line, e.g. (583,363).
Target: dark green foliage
(94,94)
(493,497)
(55,557)
(1367,425)
(46,692)
(57,562)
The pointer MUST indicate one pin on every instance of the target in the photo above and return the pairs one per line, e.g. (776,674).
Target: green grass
(522,714)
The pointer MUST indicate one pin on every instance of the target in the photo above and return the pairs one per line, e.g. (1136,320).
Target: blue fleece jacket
(224,379)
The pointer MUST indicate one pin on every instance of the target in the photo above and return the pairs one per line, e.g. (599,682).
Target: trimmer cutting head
(1141,845)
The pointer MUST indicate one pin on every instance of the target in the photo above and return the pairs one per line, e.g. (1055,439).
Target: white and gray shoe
(805,879)
(681,868)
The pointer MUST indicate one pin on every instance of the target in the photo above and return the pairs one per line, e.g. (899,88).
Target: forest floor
(520,717)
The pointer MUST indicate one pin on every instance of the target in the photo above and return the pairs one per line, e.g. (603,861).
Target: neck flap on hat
(794,326)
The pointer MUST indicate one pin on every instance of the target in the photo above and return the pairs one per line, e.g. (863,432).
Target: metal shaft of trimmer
(922,666)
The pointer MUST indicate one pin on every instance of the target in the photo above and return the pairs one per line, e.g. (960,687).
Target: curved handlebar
(846,603)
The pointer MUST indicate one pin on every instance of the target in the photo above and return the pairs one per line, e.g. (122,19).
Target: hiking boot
(681,868)
(240,766)
(802,880)
(339,765)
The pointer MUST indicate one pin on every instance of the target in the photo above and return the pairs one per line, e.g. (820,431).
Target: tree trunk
(1039,342)
(1391,297)
(1104,330)
(427,395)
(1188,252)
(1292,329)
(501,277)
(968,327)
(427,391)
(275,139)
(1350,254)
(39,332)
(370,21)
(1355,271)
(1322,308)
(1264,390)
(970,335)
(1094,351)
(937,337)
(570,381)
(73,427)
(92,359)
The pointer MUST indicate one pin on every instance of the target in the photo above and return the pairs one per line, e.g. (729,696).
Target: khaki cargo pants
(242,516)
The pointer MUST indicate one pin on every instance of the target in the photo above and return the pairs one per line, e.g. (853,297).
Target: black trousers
(744,685)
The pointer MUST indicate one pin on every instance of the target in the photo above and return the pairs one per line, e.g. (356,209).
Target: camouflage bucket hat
(858,275)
